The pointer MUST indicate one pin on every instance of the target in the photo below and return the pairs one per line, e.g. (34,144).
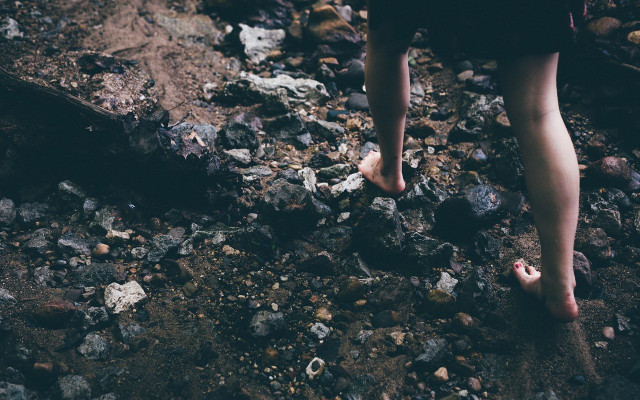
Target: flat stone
(120,298)
(259,42)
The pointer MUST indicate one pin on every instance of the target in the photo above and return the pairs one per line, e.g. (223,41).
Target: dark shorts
(486,28)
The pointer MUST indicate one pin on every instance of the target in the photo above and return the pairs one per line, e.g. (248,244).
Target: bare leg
(387,83)
(551,173)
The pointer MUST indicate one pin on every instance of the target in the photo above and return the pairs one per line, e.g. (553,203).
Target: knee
(527,113)
(389,40)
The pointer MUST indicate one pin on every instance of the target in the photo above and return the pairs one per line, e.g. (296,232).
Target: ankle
(391,170)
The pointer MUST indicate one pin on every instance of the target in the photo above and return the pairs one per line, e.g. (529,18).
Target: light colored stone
(259,42)
(6,299)
(297,90)
(634,37)
(243,156)
(320,330)
(9,29)
(446,283)
(441,375)
(120,298)
(308,178)
(315,367)
(354,182)
(609,333)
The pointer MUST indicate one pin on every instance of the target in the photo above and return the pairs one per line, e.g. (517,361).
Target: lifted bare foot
(559,300)
(389,182)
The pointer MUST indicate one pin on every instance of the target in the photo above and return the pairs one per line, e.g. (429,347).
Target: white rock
(446,282)
(297,90)
(320,330)
(309,178)
(315,367)
(119,298)
(353,183)
(6,299)
(9,29)
(243,156)
(259,42)
(343,216)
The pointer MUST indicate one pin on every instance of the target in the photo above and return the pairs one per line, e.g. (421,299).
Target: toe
(532,271)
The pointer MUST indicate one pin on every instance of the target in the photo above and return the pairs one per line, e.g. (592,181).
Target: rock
(441,375)
(56,314)
(10,391)
(315,367)
(129,331)
(291,129)
(475,207)
(476,293)
(474,384)
(438,302)
(161,245)
(611,172)
(70,192)
(89,207)
(285,202)
(251,89)
(508,163)
(6,299)
(357,102)
(462,66)
(266,323)
(350,289)
(486,246)
(238,135)
(464,322)
(477,112)
(367,148)
(603,27)
(258,239)
(423,253)
(10,29)
(259,42)
(320,330)
(336,171)
(379,231)
(72,245)
(421,194)
(326,26)
(446,282)
(385,319)
(101,250)
(120,298)
(353,75)
(615,388)
(94,347)
(582,272)
(95,318)
(326,130)
(594,243)
(353,185)
(38,242)
(29,213)
(7,212)
(311,258)
(103,220)
(623,323)
(93,275)
(608,333)
(634,37)
(241,156)
(609,220)
(435,352)
(74,387)
(308,179)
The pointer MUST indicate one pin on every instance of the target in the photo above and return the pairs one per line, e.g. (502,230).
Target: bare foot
(557,299)
(371,168)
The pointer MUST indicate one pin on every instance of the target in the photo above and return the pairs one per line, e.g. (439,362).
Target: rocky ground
(213,239)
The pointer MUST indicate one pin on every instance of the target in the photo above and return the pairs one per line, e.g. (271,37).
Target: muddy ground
(251,246)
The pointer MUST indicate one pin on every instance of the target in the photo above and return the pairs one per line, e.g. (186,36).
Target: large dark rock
(614,172)
(328,27)
(508,163)
(474,208)
(238,135)
(311,258)
(93,275)
(486,246)
(291,129)
(379,232)
(594,243)
(29,213)
(476,293)
(435,352)
(289,205)
(357,102)
(73,245)
(423,253)
(421,194)
(257,239)
(162,245)
(477,112)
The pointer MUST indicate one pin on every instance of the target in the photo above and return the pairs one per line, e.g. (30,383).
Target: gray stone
(72,245)
(10,391)
(29,213)
(95,317)
(259,42)
(435,351)
(6,299)
(239,135)
(358,102)
(120,298)
(379,231)
(265,323)
(94,347)
(160,246)
(326,130)
(336,171)
(7,212)
(476,294)
(446,283)
(10,29)
(477,112)
(128,331)
(74,387)
(252,88)
(103,220)
(39,242)
(320,330)
(352,185)
(241,156)
(71,192)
